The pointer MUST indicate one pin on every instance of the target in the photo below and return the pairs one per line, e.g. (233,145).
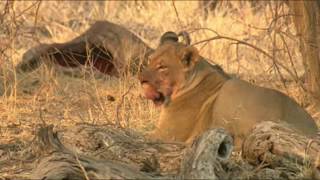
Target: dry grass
(47,96)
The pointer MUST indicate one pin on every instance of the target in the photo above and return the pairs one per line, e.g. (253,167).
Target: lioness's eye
(162,68)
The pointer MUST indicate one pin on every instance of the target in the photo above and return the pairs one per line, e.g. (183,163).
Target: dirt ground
(49,96)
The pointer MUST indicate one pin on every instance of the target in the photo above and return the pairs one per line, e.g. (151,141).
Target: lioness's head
(168,69)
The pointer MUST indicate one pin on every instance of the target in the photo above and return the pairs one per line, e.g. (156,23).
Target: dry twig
(120,104)
(237,41)
(81,167)
(177,14)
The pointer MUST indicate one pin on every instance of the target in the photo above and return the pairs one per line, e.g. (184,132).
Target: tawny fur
(200,96)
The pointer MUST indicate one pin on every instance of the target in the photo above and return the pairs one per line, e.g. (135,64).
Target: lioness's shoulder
(219,70)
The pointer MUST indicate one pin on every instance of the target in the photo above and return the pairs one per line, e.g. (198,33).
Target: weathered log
(210,158)
(202,160)
(277,145)
(62,163)
(126,146)
(100,152)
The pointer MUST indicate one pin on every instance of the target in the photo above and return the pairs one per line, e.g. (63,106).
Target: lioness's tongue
(150,92)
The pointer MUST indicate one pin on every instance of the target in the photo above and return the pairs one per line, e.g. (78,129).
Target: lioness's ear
(169,36)
(185,37)
(190,56)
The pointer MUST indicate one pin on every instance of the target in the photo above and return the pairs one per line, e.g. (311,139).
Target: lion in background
(195,96)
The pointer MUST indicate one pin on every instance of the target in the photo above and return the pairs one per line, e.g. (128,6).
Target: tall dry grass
(46,96)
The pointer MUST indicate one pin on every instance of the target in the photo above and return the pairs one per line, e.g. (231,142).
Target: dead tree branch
(218,37)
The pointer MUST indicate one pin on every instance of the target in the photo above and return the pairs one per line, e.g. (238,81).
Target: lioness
(195,95)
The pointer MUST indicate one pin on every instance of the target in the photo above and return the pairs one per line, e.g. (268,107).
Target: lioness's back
(244,105)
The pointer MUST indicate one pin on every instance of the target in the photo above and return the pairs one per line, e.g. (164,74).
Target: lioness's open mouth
(150,92)
(159,100)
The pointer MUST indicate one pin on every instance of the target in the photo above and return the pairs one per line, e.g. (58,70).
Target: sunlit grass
(48,96)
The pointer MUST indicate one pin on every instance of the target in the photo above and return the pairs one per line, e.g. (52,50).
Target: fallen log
(202,160)
(100,152)
(59,162)
(276,145)
(125,146)
(210,157)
